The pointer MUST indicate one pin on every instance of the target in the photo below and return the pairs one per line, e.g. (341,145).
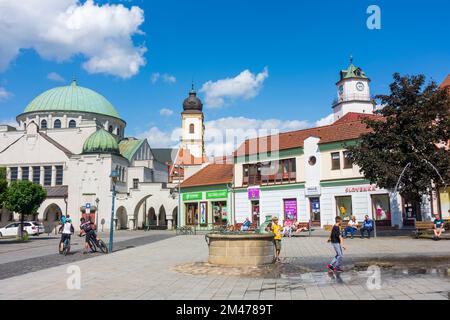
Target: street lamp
(97,200)
(114,176)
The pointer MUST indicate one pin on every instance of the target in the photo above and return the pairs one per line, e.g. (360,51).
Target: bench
(423,227)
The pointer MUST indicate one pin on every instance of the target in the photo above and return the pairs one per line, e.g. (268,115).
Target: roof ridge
(56,144)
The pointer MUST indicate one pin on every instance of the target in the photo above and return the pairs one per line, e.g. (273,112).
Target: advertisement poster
(203,213)
(290,209)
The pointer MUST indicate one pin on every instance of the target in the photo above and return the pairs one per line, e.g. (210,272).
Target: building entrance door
(255,212)
(314,211)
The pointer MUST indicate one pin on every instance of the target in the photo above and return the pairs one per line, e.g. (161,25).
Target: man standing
(275,228)
(338,245)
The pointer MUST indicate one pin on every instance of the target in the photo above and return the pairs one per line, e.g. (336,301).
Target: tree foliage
(416,117)
(3,184)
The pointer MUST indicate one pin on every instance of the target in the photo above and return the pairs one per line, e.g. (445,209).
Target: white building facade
(69,139)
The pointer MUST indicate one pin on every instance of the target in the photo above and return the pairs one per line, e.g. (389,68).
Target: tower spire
(351,59)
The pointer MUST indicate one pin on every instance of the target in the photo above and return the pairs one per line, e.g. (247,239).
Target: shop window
(348,164)
(59,175)
(44,124)
(72,124)
(203,215)
(381,207)
(255,213)
(14,173)
(25,173)
(57,124)
(191,210)
(220,213)
(47,176)
(36,175)
(335,161)
(344,207)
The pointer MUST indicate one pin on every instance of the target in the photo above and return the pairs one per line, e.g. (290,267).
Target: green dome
(101,141)
(72,98)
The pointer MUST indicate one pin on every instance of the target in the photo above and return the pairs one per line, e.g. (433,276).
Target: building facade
(69,139)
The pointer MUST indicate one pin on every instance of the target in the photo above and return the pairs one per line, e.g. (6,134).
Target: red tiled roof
(355,116)
(446,82)
(338,131)
(212,174)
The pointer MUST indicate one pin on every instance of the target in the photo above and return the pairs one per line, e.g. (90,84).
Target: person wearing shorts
(275,228)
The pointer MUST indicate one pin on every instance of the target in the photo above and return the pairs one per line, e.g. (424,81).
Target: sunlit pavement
(418,270)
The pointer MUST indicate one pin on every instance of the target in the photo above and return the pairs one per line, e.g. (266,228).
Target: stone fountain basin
(246,249)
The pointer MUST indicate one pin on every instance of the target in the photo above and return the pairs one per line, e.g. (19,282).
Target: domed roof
(192,102)
(72,98)
(101,141)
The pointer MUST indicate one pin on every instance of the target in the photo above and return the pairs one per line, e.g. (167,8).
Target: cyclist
(89,229)
(67,230)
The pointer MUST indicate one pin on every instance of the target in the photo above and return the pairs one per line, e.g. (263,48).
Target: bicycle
(95,244)
(66,247)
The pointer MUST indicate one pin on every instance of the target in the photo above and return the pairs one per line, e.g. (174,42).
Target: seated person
(352,226)
(367,226)
(438,227)
(287,228)
(246,225)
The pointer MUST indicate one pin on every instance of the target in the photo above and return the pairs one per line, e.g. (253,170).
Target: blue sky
(303,45)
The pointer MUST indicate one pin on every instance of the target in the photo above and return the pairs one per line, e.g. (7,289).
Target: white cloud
(55,77)
(246,85)
(10,122)
(329,119)
(4,94)
(166,112)
(165,77)
(224,135)
(59,30)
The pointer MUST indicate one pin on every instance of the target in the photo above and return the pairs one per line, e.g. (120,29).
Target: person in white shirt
(352,226)
(67,230)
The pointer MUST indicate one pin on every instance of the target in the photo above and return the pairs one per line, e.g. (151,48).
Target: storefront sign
(290,208)
(312,191)
(360,189)
(192,196)
(253,193)
(219,194)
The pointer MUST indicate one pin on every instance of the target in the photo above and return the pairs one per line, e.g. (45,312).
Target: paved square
(147,272)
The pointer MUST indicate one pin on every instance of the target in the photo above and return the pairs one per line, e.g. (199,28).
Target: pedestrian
(275,228)
(337,241)
(351,227)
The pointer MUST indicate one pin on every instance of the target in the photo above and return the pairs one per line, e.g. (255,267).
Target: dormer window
(44,124)
(72,124)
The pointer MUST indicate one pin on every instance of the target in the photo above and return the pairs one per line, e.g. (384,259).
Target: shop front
(206,209)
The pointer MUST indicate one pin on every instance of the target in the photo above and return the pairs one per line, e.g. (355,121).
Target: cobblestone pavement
(149,272)
(41,253)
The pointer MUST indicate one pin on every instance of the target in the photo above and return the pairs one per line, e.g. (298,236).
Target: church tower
(353,93)
(192,137)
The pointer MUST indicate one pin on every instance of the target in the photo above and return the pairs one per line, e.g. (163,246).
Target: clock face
(360,86)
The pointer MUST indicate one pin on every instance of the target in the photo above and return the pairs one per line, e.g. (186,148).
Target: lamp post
(114,176)
(97,200)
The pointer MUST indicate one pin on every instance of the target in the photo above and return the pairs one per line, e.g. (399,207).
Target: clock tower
(192,137)
(353,93)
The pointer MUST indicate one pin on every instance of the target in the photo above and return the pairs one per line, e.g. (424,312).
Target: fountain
(242,248)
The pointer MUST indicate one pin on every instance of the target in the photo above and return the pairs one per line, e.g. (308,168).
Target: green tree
(415,118)
(24,197)
(3,184)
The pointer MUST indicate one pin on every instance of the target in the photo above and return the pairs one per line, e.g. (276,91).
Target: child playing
(337,242)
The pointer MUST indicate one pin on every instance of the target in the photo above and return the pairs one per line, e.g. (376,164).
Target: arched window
(118,131)
(110,129)
(57,124)
(72,124)
(44,124)
(191,128)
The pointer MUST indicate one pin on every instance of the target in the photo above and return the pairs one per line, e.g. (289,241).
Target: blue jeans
(337,260)
(351,230)
(364,229)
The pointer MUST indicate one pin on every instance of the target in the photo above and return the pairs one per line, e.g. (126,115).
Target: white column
(41,178)
(19,173)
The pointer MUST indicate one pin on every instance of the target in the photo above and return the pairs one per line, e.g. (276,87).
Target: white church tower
(353,93)
(193,129)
